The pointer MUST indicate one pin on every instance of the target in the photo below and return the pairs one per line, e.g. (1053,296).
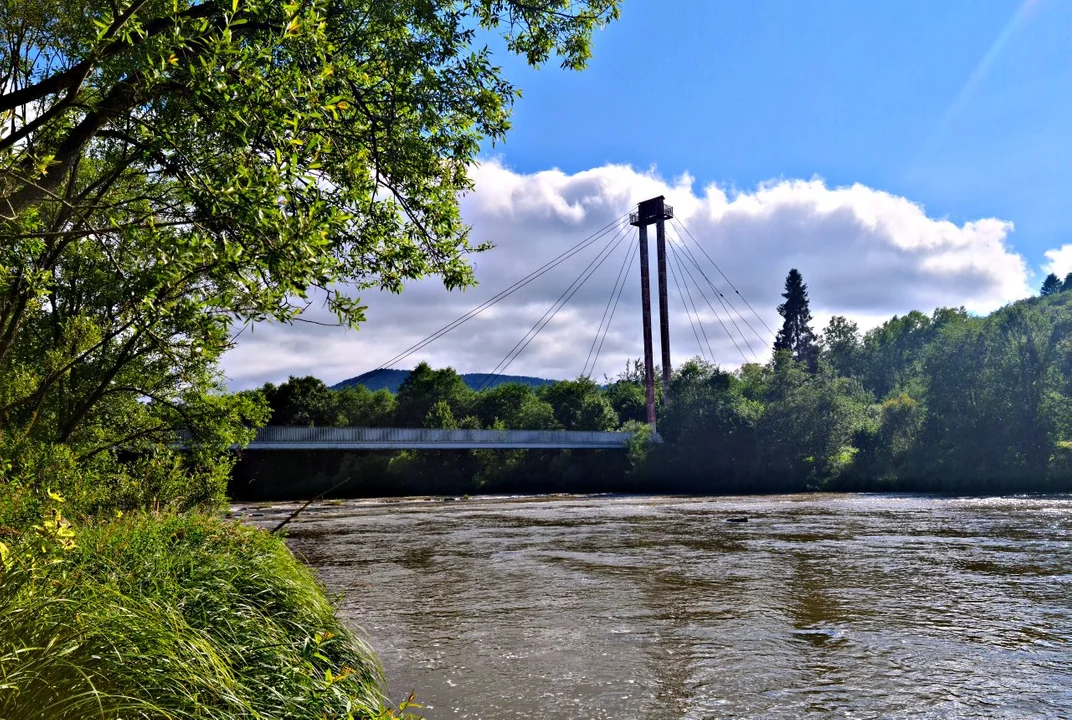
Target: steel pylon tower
(654,211)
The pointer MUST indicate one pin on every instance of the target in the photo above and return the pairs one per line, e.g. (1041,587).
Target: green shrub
(639,446)
(1061,466)
(99,485)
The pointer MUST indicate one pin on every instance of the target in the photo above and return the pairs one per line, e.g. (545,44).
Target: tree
(708,431)
(597,414)
(1024,348)
(514,406)
(1066,286)
(357,406)
(169,167)
(423,388)
(805,433)
(841,345)
(796,334)
(1051,285)
(628,400)
(301,401)
(440,416)
(578,405)
(503,403)
(900,419)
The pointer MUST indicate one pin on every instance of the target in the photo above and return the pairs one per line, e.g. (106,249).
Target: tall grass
(176,616)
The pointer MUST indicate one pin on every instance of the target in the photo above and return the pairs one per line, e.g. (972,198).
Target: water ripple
(819,606)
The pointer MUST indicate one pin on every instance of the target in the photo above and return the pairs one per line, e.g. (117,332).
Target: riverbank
(173,616)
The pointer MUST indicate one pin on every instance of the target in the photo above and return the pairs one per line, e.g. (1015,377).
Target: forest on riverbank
(945,402)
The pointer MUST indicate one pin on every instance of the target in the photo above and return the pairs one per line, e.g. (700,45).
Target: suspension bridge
(679,257)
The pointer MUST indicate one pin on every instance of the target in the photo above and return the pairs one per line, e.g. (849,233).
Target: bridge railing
(387,437)
(405,435)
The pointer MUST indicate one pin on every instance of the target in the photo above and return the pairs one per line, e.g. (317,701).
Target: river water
(819,606)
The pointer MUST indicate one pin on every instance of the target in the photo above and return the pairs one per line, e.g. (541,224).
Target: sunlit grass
(176,617)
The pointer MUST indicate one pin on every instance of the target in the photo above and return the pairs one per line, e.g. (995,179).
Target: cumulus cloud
(1059,261)
(863,252)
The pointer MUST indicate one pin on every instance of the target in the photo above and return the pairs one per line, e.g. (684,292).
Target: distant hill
(392,380)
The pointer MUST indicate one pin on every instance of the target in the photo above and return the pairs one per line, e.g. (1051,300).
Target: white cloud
(1060,261)
(863,252)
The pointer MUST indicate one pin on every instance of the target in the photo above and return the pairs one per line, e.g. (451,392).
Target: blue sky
(935,127)
(960,105)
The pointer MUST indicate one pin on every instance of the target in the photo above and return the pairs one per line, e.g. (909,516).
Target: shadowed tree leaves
(1050,285)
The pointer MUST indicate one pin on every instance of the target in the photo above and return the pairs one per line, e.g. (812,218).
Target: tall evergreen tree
(1067,285)
(1050,285)
(796,334)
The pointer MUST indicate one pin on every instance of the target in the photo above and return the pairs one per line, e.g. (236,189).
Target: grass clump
(173,616)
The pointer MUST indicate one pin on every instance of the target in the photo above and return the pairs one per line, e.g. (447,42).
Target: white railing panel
(417,438)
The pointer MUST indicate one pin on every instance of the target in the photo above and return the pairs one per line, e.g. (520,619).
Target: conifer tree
(1067,285)
(1050,285)
(796,334)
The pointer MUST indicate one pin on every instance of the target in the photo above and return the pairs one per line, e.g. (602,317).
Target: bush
(160,478)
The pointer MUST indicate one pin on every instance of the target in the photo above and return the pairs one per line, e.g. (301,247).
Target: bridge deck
(365,438)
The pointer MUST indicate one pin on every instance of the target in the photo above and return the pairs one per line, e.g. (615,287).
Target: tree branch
(72,77)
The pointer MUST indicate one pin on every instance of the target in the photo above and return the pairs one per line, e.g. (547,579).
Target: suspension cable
(503,294)
(564,298)
(606,330)
(695,310)
(711,260)
(613,291)
(557,305)
(688,313)
(708,301)
(722,300)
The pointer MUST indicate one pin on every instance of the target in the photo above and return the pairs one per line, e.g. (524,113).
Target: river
(818,606)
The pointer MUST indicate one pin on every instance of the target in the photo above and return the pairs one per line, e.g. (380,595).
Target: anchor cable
(726,301)
(688,313)
(722,300)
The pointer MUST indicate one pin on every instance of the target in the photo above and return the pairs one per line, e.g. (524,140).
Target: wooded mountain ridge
(391,380)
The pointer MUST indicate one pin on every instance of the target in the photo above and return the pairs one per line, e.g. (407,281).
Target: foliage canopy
(169,168)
